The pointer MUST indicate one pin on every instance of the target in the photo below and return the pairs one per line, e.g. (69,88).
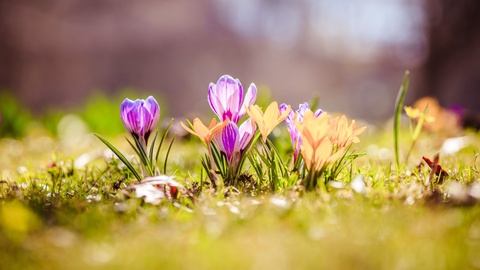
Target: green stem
(415,135)
(398,113)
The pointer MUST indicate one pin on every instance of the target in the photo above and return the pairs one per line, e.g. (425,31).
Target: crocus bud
(140,117)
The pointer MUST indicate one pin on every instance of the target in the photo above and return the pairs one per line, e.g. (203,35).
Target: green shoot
(397,115)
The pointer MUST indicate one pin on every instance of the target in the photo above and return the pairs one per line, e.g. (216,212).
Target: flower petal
(246,131)
(200,128)
(271,114)
(145,120)
(318,112)
(256,113)
(230,93)
(189,130)
(283,115)
(226,97)
(154,109)
(214,101)
(230,138)
(250,98)
(125,109)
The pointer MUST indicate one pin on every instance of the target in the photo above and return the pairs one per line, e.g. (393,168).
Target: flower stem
(398,113)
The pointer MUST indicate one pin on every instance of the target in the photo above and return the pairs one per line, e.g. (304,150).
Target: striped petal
(246,131)
(250,98)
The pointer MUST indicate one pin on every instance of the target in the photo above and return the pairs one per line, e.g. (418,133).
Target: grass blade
(133,147)
(166,156)
(120,156)
(143,154)
(163,139)
(152,148)
(398,113)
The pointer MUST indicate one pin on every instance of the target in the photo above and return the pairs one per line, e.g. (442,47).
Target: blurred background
(350,54)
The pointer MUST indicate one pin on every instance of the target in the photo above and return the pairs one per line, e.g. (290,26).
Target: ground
(66,204)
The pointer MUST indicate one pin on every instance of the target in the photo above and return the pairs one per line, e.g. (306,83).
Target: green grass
(342,234)
(56,216)
(66,204)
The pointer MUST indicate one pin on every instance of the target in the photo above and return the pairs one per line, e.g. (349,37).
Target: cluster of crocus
(295,137)
(324,141)
(228,102)
(320,139)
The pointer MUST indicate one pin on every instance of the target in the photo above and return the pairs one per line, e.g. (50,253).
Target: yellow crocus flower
(343,134)
(317,148)
(267,121)
(206,134)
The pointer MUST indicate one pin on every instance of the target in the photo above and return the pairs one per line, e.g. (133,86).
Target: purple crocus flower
(233,140)
(294,133)
(226,98)
(140,117)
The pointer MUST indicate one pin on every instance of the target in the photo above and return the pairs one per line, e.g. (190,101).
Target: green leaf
(163,139)
(143,156)
(152,148)
(398,113)
(206,165)
(168,153)
(120,156)
(220,160)
(133,147)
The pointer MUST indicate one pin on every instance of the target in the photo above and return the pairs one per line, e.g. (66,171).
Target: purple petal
(240,94)
(226,98)
(145,120)
(230,93)
(125,108)
(226,87)
(230,139)
(140,116)
(302,108)
(250,98)
(218,140)
(246,131)
(318,112)
(289,119)
(214,101)
(152,107)
(294,135)
(137,114)
(282,108)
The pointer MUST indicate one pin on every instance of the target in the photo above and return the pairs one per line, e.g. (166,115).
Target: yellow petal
(188,129)
(359,131)
(336,156)
(200,128)
(271,114)
(219,126)
(411,112)
(212,123)
(256,113)
(307,153)
(429,119)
